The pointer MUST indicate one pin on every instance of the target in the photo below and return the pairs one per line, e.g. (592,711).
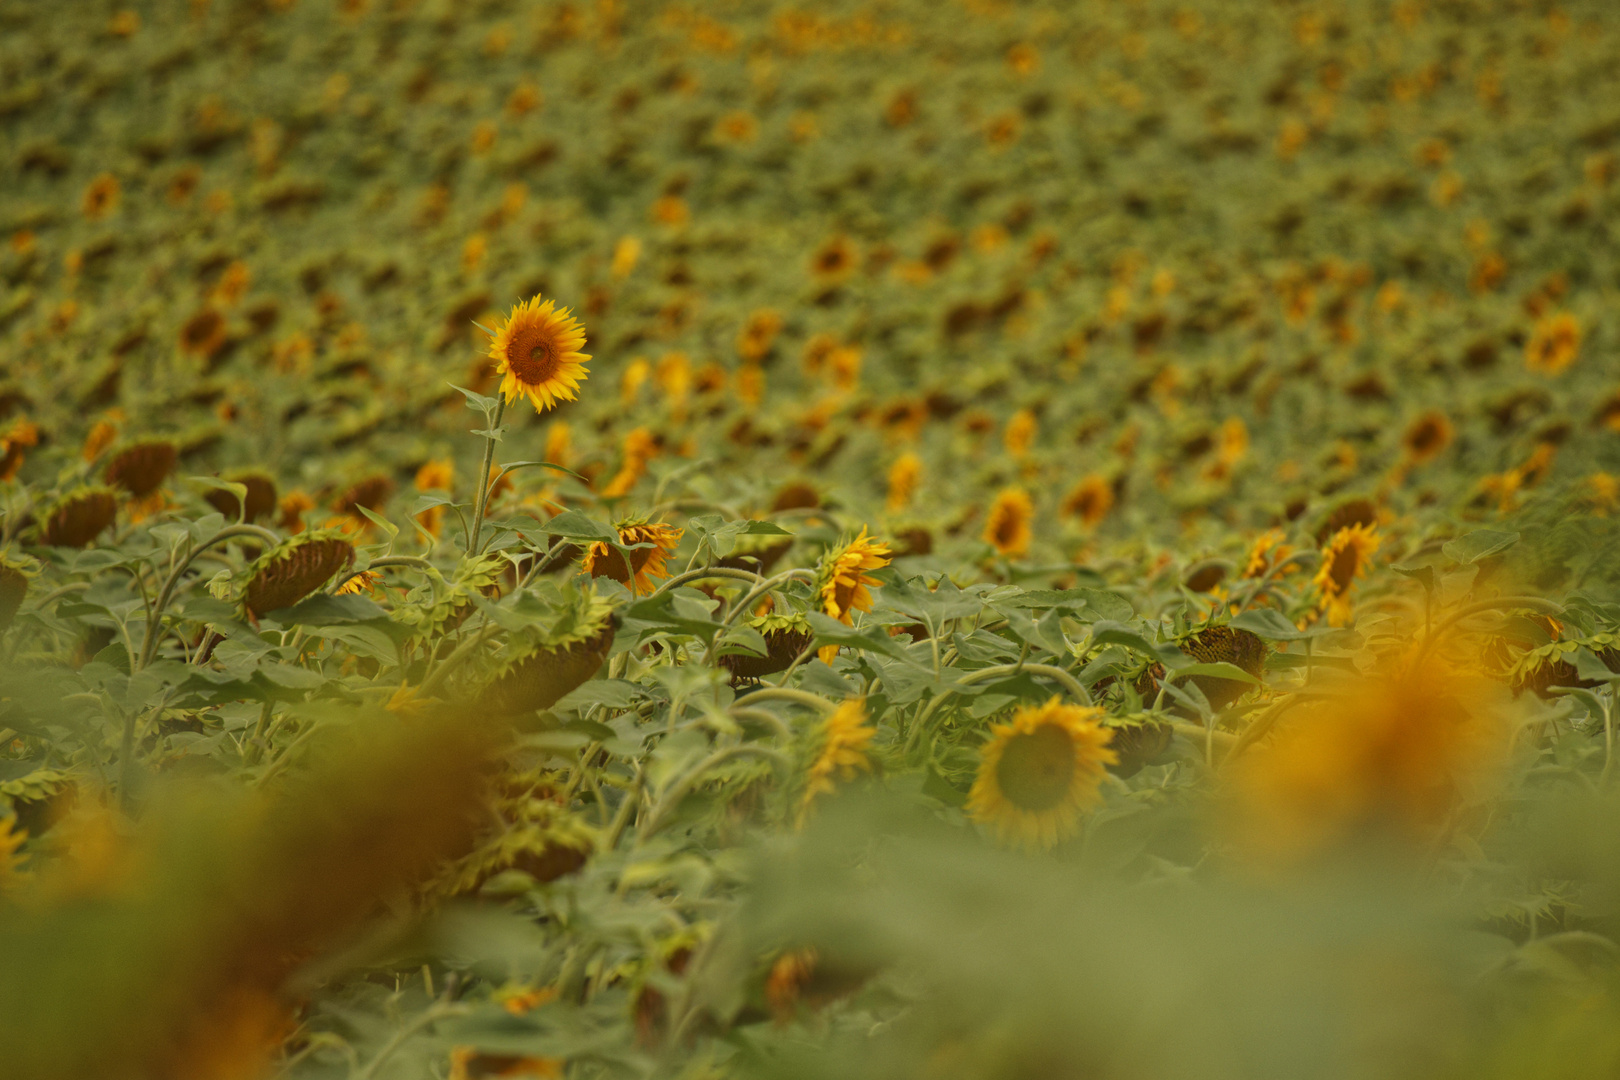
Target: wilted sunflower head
(1345,557)
(141,468)
(536,352)
(544,662)
(1427,436)
(1009,527)
(646,563)
(1040,771)
(80,516)
(293,569)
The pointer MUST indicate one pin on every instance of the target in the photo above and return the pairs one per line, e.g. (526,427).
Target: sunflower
(845,736)
(1344,558)
(1554,344)
(1008,526)
(101,197)
(14,446)
(1037,773)
(1427,437)
(833,260)
(646,563)
(1267,552)
(904,475)
(1090,500)
(843,583)
(204,334)
(536,351)
(1020,433)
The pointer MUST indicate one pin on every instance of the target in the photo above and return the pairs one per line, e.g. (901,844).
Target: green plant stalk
(149,645)
(484,483)
(1068,681)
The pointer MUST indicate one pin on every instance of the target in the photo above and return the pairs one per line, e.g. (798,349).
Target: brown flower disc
(295,574)
(1346,514)
(370,493)
(203,334)
(1223,644)
(142,468)
(1138,745)
(540,680)
(81,518)
(261,497)
(13,589)
(782,647)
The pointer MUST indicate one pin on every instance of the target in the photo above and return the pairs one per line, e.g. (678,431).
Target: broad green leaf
(1479,544)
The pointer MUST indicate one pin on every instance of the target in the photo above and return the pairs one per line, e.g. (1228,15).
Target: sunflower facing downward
(1345,557)
(1038,773)
(536,353)
(646,563)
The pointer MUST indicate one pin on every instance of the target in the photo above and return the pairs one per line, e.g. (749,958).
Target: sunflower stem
(477,547)
(155,619)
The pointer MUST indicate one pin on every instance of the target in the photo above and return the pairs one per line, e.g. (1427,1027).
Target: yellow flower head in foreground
(1008,528)
(903,477)
(1039,772)
(536,352)
(646,563)
(1345,557)
(1390,757)
(843,581)
(844,738)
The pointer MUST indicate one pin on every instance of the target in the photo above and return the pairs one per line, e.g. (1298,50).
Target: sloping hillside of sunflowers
(959,538)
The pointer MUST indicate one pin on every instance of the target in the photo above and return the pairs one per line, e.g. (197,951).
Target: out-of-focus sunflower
(842,584)
(1090,501)
(1009,526)
(1345,557)
(1267,552)
(844,738)
(1554,344)
(1020,433)
(204,334)
(14,447)
(1040,771)
(834,260)
(536,351)
(1427,436)
(904,476)
(646,563)
(101,197)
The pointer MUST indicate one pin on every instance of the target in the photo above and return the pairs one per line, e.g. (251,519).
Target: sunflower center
(533,358)
(1036,769)
(1343,570)
(1007,528)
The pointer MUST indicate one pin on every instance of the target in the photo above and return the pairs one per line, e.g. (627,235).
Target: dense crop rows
(726,539)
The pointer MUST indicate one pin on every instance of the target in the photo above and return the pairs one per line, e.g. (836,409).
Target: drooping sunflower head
(1040,771)
(141,468)
(1345,557)
(536,353)
(292,570)
(1090,501)
(1009,526)
(544,662)
(80,517)
(1427,437)
(646,563)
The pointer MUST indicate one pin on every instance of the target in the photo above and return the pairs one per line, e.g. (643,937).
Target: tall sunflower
(1345,557)
(536,353)
(845,736)
(1039,772)
(842,585)
(1008,527)
(646,563)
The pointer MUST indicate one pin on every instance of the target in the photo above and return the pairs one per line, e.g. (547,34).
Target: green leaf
(475,400)
(573,525)
(1114,633)
(323,610)
(1590,668)
(829,631)
(1271,625)
(1479,544)
(1220,669)
(514,466)
(681,610)
(1423,575)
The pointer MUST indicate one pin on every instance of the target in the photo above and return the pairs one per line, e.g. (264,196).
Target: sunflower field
(982,539)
